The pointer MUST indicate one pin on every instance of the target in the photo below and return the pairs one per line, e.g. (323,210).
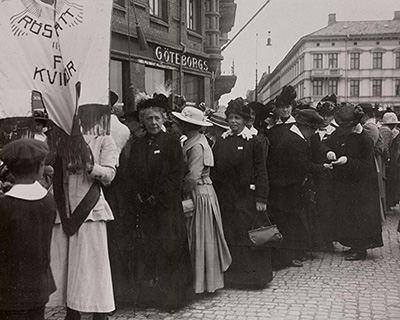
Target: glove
(341,161)
(331,156)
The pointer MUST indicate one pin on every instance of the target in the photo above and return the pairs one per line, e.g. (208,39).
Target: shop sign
(176,58)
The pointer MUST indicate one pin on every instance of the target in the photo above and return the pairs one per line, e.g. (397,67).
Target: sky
(288,21)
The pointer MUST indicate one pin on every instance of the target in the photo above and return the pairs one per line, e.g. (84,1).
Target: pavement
(327,287)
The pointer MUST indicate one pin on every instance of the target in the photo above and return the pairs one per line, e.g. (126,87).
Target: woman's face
(327,119)
(236,123)
(250,122)
(153,120)
(284,111)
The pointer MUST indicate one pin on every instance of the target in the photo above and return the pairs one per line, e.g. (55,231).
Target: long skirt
(81,269)
(209,250)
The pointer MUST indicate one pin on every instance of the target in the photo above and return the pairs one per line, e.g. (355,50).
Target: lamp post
(268,44)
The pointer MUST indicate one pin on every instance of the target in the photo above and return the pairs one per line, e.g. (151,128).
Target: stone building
(182,47)
(359,61)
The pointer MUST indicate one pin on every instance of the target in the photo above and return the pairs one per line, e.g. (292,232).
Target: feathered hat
(286,97)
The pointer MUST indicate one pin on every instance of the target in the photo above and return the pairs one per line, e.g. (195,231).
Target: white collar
(295,129)
(357,129)
(253,131)
(246,134)
(31,192)
(290,120)
(327,131)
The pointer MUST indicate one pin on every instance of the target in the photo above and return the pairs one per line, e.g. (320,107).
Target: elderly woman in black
(162,272)
(241,181)
(351,152)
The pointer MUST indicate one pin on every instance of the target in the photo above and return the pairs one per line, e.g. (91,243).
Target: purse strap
(258,214)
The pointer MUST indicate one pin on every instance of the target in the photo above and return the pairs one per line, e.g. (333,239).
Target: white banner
(49,46)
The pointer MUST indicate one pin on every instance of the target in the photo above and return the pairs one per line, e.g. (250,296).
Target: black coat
(25,232)
(358,222)
(240,163)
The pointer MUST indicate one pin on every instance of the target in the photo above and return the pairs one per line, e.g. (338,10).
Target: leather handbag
(264,236)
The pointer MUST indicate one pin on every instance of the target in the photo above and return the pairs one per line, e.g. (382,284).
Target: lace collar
(245,134)
(253,131)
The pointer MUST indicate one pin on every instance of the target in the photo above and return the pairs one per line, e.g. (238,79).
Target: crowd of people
(161,211)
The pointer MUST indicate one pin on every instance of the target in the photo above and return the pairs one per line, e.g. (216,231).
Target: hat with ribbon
(239,107)
(327,106)
(309,118)
(348,115)
(218,119)
(390,118)
(192,115)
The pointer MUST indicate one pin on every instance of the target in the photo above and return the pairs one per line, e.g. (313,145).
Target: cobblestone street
(328,287)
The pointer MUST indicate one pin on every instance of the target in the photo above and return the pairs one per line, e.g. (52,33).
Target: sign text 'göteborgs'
(169,56)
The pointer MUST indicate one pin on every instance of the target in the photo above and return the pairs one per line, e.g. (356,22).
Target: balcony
(326,73)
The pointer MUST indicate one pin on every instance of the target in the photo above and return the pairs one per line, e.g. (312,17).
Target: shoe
(360,255)
(100,316)
(296,263)
(348,252)
(72,314)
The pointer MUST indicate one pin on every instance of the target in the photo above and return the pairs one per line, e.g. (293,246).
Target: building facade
(359,61)
(173,42)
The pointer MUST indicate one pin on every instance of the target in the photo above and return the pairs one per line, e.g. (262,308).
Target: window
(317,87)
(318,61)
(153,78)
(116,78)
(302,64)
(377,60)
(397,59)
(158,8)
(121,3)
(354,88)
(332,60)
(194,15)
(397,87)
(377,87)
(355,60)
(332,86)
(193,88)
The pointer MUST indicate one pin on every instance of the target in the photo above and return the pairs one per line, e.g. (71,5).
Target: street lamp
(268,44)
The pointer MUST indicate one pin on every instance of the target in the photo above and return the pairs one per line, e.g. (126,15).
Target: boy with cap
(26,222)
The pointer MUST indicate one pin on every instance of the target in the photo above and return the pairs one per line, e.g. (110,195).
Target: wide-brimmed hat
(192,115)
(286,97)
(219,119)
(348,115)
(309,118)
(390,118)
(239,107)
(144,101)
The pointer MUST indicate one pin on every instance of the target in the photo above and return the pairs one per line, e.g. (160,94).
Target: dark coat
(25,232)
(240,163)
(161,250)
(358,222)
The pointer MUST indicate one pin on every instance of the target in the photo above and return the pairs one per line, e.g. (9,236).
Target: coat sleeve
(196,165)
(260,170)
(105,169)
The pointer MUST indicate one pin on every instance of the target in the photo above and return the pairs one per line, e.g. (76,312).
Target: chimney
(396,15)
(331,18)
(269,69)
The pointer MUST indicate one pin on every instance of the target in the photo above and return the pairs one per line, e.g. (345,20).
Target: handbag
(268,235)
(188,207)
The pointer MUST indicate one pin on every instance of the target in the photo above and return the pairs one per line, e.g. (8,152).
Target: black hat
(286,97)
(23,153)
(157,100)
(332,98)
(239,107)
(309,118)
(348,115)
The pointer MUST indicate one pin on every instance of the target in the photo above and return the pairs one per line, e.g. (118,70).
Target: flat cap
(23,152)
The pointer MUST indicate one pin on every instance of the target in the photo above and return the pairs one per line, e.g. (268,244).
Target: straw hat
(219,120)
(192,115)
(390,118)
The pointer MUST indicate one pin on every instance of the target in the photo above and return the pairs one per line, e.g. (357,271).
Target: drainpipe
(183,47)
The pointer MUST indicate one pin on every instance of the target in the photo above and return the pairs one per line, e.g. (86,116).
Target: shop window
(194,15)
(355,60)
(332,60)
(317,87)
(193,88)
(158,8)
(377,87)
(318,61)
(354,88)
(153,79)
(332,86)
(116,79)
(377,60)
